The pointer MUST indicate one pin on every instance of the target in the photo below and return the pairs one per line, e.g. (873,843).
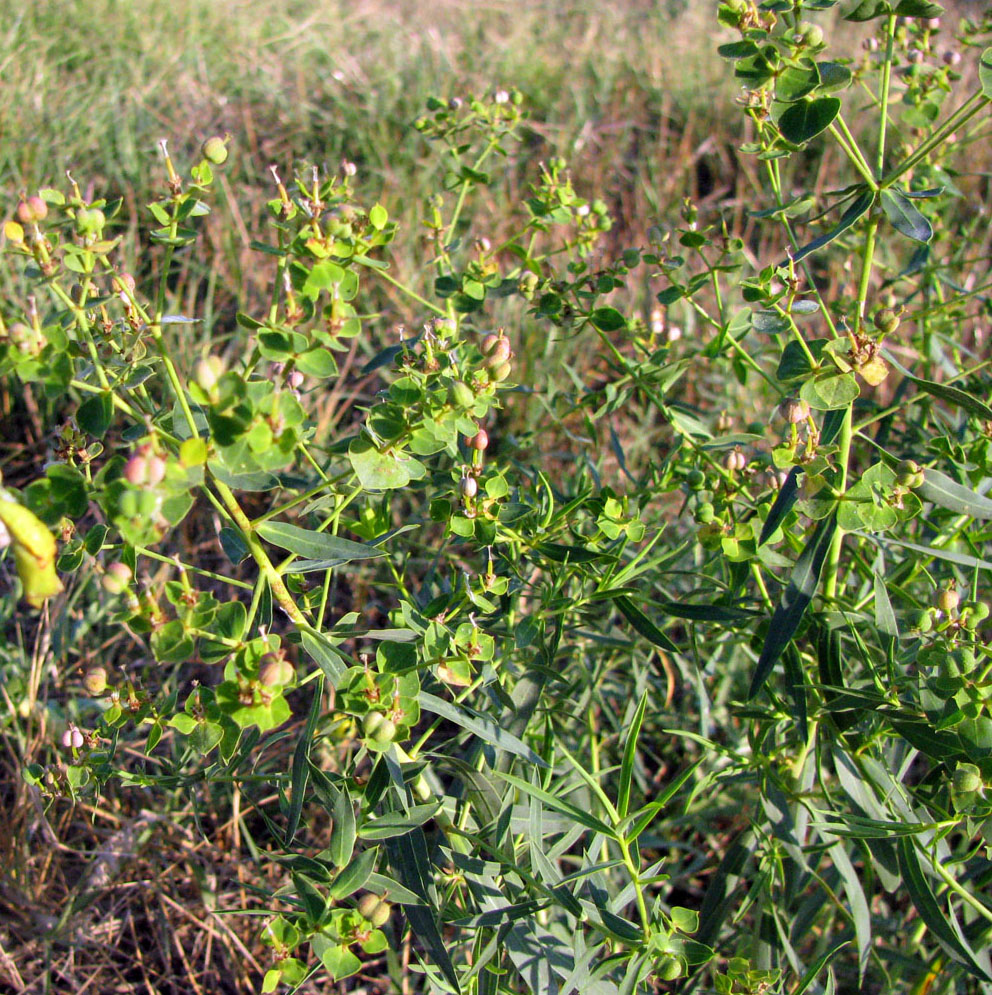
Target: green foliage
(595,688)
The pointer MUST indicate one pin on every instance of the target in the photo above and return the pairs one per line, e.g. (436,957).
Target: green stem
(890,25)
(847,142)
(975,103)
(257,550)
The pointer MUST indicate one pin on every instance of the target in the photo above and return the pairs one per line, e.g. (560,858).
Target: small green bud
(669,968)
(705,513)
(378,727)
(215,150)
(923,621)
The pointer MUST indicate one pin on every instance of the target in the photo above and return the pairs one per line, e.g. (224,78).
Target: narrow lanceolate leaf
(950,555)
(483,727)
(861,204)
(345,830)
(784,500)
(940,925)
(629,756)
(301,764)
(409,859)
(947,493)
(330,661)
(905,218)
(953,395)
(644,625)
(314,545)
(582,817)
(802,586)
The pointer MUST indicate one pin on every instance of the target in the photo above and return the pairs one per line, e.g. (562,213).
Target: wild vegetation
(496,518)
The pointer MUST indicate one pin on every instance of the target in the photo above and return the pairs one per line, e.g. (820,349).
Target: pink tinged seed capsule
(479,441)
(32,210)
(795,410)
(275,670)
(95,680)
(117,578)
(145,468)
(208,371)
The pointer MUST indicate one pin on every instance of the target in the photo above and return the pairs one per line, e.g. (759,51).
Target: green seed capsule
(967,778)
(215,150)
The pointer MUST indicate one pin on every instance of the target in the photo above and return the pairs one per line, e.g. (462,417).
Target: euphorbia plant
(476,637)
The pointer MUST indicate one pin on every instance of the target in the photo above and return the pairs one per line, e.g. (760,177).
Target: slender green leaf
(315,545)
(301,764)
(629,756)
(482,726)
(947,493)
(861,204)
(817,966)
(357,873)
(330,661)
(345,829)
(799,593)
(781,506)
(643,625)
(398,823)
(942,925)
(409,858)
(950,555)
(559,805)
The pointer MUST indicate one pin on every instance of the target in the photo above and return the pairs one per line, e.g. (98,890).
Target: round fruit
(479,441)
(923,621)
(496,349)
(367,905)
(469,487)
(948,599)
(380,915)
(208,371)
(696,479)
(669,969)
(967,778)
(499,372)
(215,150)
(275,670)
(373,722)
(90,220)
(117,578)
(95,680)
(32,210)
